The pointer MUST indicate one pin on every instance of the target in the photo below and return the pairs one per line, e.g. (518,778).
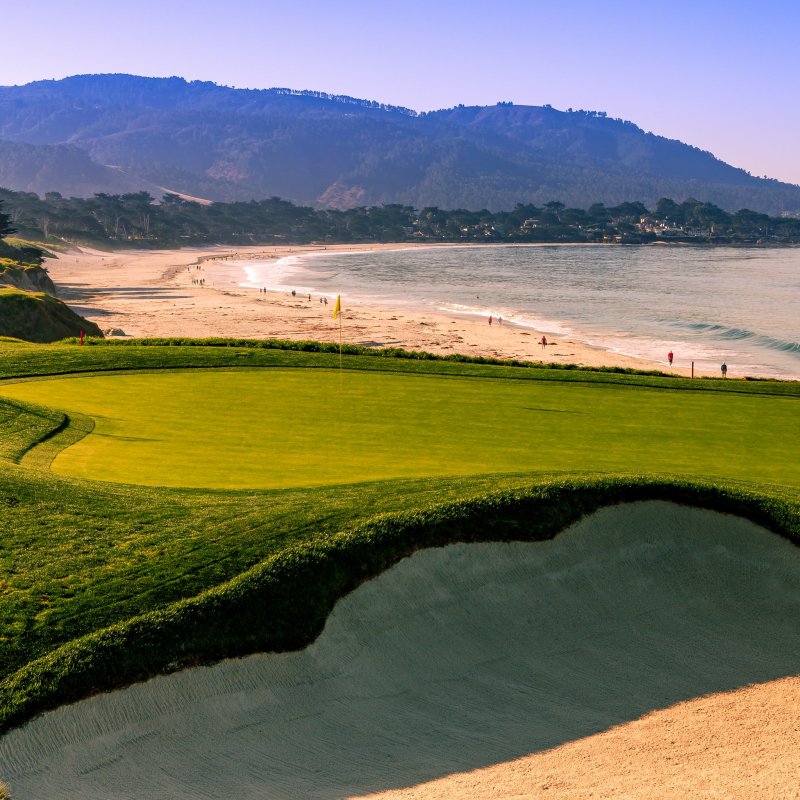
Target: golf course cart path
(456,659)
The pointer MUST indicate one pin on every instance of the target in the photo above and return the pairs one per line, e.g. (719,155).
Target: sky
(721,76)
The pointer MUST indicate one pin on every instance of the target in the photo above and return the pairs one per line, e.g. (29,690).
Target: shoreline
(160,293)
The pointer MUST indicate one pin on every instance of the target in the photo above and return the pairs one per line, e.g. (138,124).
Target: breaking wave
(728,333)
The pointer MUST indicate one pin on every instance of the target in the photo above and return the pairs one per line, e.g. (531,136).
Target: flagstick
(337,313)
(340,342)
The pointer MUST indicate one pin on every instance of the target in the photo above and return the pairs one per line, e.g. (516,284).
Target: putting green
(302,427)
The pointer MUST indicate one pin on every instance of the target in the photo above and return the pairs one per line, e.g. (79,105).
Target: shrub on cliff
(37,317)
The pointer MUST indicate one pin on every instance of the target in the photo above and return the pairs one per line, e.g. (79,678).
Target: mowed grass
(280,428)
(429,440)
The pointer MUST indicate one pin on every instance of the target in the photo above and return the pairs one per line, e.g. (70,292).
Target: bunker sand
(457,659)
(738,745)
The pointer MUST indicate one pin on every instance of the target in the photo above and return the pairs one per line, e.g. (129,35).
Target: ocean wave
(502,313)
(734,334)
(278,275)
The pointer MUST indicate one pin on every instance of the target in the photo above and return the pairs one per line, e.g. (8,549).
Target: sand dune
(458,659)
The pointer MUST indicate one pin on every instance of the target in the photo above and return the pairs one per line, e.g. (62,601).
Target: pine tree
(6,229)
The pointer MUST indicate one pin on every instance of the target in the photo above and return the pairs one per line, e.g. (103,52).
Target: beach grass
(307,481)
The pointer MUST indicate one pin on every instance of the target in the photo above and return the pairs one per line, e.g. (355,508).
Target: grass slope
(38,317)
(105,583)
(24,426)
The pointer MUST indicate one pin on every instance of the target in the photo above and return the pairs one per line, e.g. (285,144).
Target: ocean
(706,304)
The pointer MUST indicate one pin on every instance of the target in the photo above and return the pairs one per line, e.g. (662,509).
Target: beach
(196,292)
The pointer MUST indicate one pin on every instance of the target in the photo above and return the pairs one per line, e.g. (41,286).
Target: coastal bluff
(28,277)
(39,317)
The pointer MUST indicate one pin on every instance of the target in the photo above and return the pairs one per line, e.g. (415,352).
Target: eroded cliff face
(29,278)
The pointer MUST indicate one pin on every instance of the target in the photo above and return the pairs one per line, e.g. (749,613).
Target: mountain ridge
(318,149)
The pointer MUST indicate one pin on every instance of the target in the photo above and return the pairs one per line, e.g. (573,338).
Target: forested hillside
(228,144)
(46,168)
(136,220)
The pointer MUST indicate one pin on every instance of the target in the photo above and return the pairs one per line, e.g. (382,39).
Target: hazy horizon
(713,76)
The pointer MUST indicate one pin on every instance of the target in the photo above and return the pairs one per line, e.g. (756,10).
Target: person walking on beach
(543,341)
(724,370)
(490,320)
(669,357)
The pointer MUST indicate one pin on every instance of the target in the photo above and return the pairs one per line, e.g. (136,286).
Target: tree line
(137,220)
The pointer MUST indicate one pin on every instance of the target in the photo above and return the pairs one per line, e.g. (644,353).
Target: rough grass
(101,584)
(38,317)
(21,359)
(23,426)
(281,603)
(78,556)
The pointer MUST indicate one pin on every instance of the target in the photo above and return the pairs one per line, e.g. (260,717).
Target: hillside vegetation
(28,277)
(330,151)
(38,317)
(43,168)
(136,220)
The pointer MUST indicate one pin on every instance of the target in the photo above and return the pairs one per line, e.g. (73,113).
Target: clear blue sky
(719,75)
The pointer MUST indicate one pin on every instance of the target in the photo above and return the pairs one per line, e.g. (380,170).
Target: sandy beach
(158,293)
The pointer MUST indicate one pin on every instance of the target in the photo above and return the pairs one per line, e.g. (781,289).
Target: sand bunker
(738,745)
(457,659)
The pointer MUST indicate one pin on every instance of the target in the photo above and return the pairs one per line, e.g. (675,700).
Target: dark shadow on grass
(553,410)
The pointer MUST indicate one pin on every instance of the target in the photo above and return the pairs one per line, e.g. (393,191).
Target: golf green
(302,427)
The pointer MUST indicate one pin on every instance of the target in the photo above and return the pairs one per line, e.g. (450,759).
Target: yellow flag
(337,309)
